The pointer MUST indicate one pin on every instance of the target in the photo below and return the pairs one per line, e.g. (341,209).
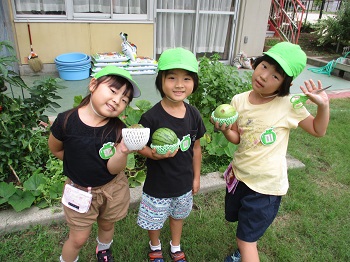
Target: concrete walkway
(11,221)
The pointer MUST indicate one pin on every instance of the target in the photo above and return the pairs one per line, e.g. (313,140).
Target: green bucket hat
(289,56)
(114,70)
(178,58)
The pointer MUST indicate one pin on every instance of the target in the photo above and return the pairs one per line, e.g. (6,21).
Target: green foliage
(271,41)
(43,188)
(218,83)
(133,115)
(307,27)
(24,152)
(136,170)
(335,30)
(23,141)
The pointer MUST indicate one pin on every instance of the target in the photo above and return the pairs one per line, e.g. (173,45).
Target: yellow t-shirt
(260,160)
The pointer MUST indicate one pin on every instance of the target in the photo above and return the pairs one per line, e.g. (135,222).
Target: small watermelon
(164,136)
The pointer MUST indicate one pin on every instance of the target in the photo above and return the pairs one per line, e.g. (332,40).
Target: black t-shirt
(172,177)
(82,162)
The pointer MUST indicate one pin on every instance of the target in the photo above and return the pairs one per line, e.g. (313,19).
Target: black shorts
(254,211)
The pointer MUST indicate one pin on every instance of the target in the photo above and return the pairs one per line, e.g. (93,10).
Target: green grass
(313,223)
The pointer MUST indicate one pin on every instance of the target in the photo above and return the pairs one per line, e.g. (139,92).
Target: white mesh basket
(162,150)
(135,138)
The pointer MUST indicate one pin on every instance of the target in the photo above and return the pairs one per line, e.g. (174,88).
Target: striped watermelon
(164,136)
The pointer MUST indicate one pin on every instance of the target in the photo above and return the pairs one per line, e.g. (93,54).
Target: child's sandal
(178,256)
(156,256)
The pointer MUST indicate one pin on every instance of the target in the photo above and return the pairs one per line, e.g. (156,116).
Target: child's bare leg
(248,250)
(176,230)
(74,243)
(105,231)
(154,237)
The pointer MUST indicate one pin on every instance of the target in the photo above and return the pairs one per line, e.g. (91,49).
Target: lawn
(313,223)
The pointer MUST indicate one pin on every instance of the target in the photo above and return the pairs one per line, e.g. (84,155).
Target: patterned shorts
(154,211)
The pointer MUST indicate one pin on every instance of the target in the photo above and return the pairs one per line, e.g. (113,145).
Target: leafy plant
(271,41)
(133,115)
(335,30)
(24,153)
(218,83)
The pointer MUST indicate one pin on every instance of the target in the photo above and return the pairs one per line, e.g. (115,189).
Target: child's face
(107,100)
(265,79)
(177,84)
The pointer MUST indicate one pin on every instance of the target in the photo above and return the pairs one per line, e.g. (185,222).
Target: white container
(135,138)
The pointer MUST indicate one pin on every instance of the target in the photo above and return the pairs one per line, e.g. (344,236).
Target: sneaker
(235,257)
(178,256)
(155,256)
(104,256)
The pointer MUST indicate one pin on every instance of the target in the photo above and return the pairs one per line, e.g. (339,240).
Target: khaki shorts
(110,202)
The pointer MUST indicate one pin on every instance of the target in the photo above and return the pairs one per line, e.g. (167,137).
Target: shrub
(24,152)
(335,30)
(218,83)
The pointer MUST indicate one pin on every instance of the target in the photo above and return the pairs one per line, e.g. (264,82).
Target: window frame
(70,16)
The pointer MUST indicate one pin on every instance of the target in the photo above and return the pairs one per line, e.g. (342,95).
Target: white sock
(174,249)
(154,248)
(103,246)
(61,259)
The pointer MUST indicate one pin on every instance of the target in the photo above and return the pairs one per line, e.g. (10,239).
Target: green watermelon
(164,136)
(224,111)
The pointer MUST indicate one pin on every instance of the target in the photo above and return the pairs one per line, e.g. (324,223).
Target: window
(83,9)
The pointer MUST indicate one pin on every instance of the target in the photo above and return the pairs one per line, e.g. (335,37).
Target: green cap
(178,58)
(289,56)
(114,70)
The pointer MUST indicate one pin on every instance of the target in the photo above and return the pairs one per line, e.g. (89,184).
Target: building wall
(52,39)
(252,24)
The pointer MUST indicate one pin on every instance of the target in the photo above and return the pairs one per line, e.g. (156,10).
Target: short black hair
(284,89)
(165,72)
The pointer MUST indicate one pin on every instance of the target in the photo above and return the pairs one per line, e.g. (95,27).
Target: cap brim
(178,66)
(137,91)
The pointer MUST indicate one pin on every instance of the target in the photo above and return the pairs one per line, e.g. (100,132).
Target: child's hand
(157,156)
(123,149)
(311,90)
(221,128)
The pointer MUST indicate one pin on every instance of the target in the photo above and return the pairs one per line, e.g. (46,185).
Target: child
(88,140)
(172,179)
(259,166)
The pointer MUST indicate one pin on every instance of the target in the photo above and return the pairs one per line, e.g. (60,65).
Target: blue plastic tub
(73,66)
(71,74)
(83,62)
(71,57)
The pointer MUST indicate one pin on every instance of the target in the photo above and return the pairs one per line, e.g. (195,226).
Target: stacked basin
(73,66)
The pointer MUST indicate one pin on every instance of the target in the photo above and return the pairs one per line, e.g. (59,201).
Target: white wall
(252,24)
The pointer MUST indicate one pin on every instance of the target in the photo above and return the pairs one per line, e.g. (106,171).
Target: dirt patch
(308,42)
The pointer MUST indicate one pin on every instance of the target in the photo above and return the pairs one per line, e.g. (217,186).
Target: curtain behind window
(177,30)
(82,6)
(212,30)
(39,6)
(174,29)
